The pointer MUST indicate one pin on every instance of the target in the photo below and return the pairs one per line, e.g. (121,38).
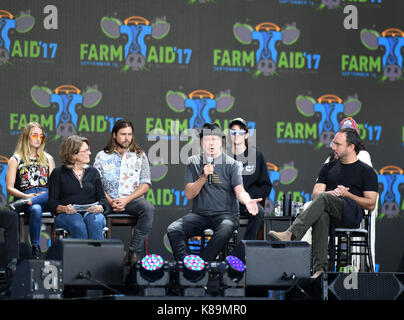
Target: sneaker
(36,252)
(11,268)
(17,205)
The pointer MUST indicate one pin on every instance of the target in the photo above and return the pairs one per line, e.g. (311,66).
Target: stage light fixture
(152,267)
(193,276)
(152,275)
(232,277)
(236,268)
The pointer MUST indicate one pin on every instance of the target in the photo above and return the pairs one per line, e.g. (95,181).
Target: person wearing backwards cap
(344,187)
(255,177)
(214,183)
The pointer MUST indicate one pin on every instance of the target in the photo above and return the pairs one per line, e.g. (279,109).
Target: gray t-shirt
(219,197)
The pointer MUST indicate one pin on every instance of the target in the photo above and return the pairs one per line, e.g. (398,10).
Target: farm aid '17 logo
(66,100)
(265,60)
(330,109)
(134,54)
(199,105)
(11,48)
(391,181)
(386,67)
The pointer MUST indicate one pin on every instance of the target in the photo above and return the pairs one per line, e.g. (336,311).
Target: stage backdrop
(292,68)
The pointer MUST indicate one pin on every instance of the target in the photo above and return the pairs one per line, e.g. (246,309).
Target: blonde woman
(27,179)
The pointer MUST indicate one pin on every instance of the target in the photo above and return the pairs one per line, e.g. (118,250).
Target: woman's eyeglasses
(85,151)
(38,136)
(234,132)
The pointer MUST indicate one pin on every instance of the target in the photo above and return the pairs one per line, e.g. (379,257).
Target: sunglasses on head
(37,136)
(234,132)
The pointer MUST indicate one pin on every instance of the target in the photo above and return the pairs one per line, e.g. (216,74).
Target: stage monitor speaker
(363,286)
(89,263)
(401,264)
(37,279)
(276,263)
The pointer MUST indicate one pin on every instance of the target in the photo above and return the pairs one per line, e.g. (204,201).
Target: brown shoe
(280,236)
(317,274)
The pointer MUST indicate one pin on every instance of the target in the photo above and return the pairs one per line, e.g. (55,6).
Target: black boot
(11,268)
(36,252)
(17,205)
(133,258)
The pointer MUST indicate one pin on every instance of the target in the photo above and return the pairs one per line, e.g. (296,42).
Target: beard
(340,156)
(124,145)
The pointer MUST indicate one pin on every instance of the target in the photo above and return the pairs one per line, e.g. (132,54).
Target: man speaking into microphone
(214,183)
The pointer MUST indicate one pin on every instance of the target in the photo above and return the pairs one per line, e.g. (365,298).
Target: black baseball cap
(240,121)
(211,129)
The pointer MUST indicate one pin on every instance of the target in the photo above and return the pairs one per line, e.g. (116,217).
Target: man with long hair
(345,186)
(125,175)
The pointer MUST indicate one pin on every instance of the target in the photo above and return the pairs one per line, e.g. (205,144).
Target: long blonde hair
(22,148)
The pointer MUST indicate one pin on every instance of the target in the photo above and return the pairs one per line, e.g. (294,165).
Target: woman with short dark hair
(76,195)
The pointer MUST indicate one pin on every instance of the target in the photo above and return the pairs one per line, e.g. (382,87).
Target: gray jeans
(144,210)
(222,224)
(325,208)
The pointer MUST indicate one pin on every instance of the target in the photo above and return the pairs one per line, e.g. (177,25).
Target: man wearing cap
(344,187)
(214,183)
(255,177)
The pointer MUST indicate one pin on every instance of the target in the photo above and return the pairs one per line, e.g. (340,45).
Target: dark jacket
(65,188)
(255,175)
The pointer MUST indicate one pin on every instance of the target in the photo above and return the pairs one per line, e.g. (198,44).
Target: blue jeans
(87,226)
(35,213)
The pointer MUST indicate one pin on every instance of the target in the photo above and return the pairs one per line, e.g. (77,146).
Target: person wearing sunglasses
(255,177)
(76,195)
(27,179)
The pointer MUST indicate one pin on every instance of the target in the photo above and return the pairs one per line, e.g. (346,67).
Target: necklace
(78,175)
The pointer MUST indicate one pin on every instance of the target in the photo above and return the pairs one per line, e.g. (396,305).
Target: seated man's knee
(324,196)
(175,226)
(228,226)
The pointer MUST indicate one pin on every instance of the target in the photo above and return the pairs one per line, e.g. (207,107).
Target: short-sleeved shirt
(121,176)
(358,176)
(219,197)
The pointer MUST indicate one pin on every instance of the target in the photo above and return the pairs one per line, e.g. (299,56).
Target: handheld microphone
(210,161)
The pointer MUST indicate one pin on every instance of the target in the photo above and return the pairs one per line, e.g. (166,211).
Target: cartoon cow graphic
(391,180)
(329,4)
(135,28)
(158,171)
(200,102)
(67,98)
(330,107)
(284,175)
(392,40)
(22,24)
(267,34)
(3,171)
(201,1)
